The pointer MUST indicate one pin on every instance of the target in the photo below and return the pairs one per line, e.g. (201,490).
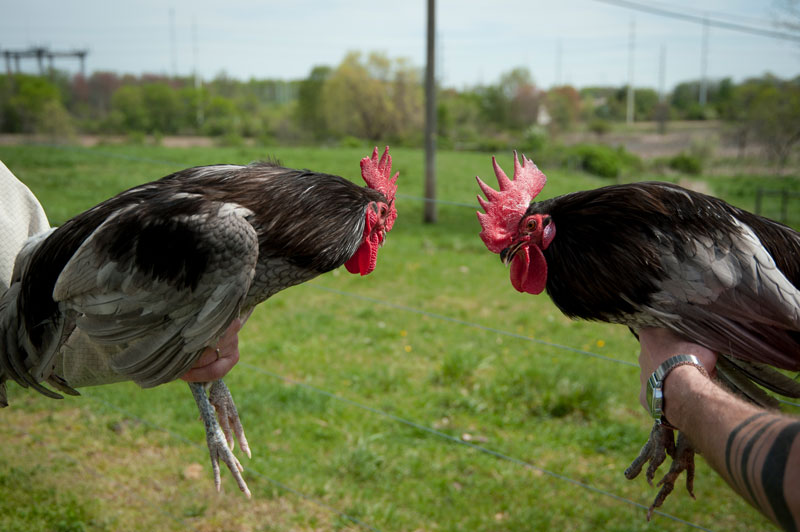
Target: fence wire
(398,419)
(249,470)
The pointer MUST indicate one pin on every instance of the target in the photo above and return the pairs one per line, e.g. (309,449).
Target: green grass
(101,462)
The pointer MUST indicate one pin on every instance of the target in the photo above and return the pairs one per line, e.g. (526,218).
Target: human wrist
(656,395)
(681,389)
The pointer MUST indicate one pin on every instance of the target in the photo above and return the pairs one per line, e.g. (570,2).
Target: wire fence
(375,411)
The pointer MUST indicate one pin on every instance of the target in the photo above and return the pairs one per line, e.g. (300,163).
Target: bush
(602,161)
(535,140)
(599,127)
(686,164)
(348,141)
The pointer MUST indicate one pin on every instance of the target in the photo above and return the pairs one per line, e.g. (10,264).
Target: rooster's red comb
(505,207)
(377,175)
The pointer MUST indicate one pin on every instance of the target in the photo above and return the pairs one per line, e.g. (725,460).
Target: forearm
(756,451)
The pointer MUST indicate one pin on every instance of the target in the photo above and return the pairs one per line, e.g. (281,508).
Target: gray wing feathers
(729,295)
(161,327)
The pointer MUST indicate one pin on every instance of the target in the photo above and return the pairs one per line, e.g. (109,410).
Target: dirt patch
(89,141)
(644,140)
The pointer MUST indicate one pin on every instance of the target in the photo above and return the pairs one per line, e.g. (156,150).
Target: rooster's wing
(160,286)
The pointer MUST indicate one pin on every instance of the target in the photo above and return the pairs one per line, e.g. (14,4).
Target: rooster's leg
(682,460)
(215,438)
(221,399)
(660,444)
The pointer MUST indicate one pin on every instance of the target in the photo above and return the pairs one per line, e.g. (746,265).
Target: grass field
(369,403)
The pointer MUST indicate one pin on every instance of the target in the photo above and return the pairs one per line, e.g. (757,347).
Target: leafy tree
(458,117)
(512,104)
(372,99)
(563,105)
(495,108)
(606,103)
(525,105)
(309,110)
(221,117)
(129,113)
(163,108)
(645,102)
(769,109)
(100,88)
(28,102)
(355,103)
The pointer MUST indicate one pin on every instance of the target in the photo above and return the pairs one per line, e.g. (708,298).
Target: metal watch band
(655,384)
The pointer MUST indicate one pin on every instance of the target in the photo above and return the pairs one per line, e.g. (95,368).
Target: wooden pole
(430,119)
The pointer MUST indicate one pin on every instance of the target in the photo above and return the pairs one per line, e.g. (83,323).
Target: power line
(773,34)
(471,445)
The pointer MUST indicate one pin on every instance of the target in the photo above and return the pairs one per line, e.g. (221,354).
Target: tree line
(374,97)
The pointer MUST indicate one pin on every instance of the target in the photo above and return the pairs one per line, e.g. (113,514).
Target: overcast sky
(477,41)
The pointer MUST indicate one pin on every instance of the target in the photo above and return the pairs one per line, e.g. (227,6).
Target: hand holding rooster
(153,284)
(656,255)
(723,428)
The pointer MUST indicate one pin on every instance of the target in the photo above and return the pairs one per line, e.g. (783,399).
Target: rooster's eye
(530,224)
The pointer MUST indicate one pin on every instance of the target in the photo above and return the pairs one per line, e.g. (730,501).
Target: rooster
(658,255)
(154,275)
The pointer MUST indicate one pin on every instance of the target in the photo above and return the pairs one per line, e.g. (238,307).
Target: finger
(214,371)
(209,356)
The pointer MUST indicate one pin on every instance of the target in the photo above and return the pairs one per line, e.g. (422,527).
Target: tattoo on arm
(756,459)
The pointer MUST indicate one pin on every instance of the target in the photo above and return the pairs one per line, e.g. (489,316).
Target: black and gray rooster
(658,255)
(154,275)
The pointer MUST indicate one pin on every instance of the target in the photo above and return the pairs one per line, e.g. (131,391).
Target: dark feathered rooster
(657,255)
(157,273)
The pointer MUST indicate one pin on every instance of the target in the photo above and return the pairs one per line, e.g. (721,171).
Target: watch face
(655,397)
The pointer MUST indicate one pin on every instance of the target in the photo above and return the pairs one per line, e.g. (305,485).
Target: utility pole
(197,83)
(558,63)
(173,53)
(631,49)
(430,118)
(704,65)
(662,109)
(662,74)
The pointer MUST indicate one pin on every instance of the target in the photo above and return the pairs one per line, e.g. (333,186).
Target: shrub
(686,164)
(602,161)
(348,141)
(599,127)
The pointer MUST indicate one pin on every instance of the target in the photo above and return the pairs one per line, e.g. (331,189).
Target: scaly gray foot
(660,444)
(218,448)
(222,401)
(682,460)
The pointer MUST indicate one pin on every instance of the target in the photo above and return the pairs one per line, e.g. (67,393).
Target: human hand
(216,362)
(660,344)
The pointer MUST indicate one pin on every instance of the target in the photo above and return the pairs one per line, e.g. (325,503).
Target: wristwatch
(655,384)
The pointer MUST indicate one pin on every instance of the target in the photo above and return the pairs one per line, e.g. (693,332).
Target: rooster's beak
(508,254)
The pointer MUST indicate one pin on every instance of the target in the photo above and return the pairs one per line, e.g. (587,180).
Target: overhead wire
(715,22)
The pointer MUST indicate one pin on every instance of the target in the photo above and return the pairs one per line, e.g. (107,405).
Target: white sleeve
(21,216)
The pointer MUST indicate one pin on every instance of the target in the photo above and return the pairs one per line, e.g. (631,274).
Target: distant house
(542,116)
